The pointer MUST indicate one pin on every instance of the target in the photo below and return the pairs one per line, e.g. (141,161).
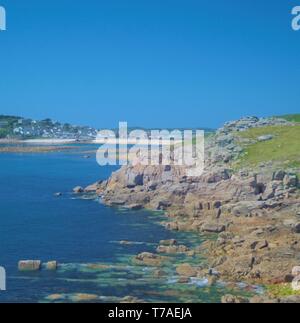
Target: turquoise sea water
(82,235)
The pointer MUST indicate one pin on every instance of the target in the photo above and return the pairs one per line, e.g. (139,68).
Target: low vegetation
(291,117)
(281,290)
(283,148)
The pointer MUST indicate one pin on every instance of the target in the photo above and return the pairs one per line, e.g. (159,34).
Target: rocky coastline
(252,212)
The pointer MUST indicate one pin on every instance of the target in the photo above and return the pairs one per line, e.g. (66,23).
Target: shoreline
(143,142)
(48,141)
(170,254)
(260,289)
(35,149)
(117,141)
(252,212)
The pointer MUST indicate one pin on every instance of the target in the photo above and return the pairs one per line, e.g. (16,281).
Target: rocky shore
(252,212)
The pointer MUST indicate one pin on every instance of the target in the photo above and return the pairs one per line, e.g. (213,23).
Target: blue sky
(152,63)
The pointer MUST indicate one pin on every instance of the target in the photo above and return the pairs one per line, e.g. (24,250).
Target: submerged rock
(212,280)
(159,273)
(55,297)
(125,243)
(183,280)
(82,297)
(130,300)
(231,299)
(170,242)
(172,249)
(149,259)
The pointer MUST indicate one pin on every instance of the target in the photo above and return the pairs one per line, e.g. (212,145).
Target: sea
(85,238)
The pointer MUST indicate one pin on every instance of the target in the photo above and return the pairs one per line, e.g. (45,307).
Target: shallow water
(83,236)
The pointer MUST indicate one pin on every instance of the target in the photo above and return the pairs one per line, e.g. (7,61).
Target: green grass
(284,148)
(291,117)
(281,290)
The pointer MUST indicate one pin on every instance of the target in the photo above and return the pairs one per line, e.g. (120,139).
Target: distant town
(12,127)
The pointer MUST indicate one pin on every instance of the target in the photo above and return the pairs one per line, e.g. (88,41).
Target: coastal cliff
(248,199)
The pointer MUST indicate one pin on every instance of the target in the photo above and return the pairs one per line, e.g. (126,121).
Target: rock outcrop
(78,190)
(51,265)
(29,265)
(252,212)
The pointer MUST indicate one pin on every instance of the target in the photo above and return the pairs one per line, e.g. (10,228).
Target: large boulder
(163,205)
(92,188)
(290,180)
(258,244)
(51,265)
(217,175)
(244,208)
(265,138)
(296,227)
(296,284)
(293,299)
(116,201)
(29,265)
(279,175)
(149,259)
(224,140)
(152,185)
(296,271)
(213,228)
(78,190)
(133,179)
(186,270)
(270,189)
(170,242)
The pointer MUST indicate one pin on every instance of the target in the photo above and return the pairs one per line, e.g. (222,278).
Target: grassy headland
(291,117)
(283,148)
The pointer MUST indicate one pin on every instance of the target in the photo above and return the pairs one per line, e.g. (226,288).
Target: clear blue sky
(153,63)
